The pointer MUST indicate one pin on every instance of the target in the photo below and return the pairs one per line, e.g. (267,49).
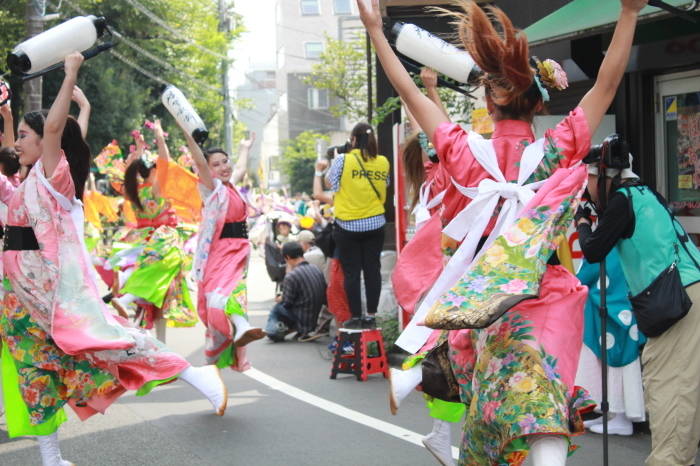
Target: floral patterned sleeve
(61,179)
(565,145)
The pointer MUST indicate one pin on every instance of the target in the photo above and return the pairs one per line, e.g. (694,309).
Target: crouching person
(303,295)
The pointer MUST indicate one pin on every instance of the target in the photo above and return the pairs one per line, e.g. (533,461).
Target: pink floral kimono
(65,346)
(517,375)
(220,267)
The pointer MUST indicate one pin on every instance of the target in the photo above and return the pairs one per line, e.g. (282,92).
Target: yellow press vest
(356,199)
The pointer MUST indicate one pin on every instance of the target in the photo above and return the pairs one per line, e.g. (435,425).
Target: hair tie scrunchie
(146,160)
(369,130)
(426,145)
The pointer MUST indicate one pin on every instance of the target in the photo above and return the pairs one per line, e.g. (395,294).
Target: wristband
(318,173)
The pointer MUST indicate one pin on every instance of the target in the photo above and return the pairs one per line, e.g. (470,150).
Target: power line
(149,55)
(154,77)
(171,30)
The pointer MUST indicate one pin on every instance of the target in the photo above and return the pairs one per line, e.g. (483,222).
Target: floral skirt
(159,276)
(48,378)
(517,376)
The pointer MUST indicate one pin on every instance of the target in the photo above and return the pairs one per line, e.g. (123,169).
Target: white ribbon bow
(469,225)
(422,210)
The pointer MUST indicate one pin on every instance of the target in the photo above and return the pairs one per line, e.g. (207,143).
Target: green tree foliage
(123,98)
(298,160)
(342,70)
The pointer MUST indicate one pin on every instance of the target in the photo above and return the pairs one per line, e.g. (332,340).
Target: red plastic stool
(360,363)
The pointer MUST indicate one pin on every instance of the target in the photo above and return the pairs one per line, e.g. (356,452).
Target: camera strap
(368,178)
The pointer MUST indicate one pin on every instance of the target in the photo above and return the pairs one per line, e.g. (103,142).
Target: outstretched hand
(634,5)
(72,63)
(6,111)
(370,17)
(79,97)
(321,165)
(429,77)
(158,130)
(248,143)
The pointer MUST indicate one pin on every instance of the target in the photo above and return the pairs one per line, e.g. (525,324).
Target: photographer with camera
(661,266)
(359,180)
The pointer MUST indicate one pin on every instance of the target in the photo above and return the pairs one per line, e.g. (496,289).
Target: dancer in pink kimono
(221,258)
(516,375)
(60,344)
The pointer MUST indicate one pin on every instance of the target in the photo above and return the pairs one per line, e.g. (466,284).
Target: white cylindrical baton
(179,107)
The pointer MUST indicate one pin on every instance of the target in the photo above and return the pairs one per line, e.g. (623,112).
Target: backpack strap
(368,178)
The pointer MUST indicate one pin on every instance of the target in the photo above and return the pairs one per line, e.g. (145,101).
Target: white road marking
(258,313)
(342,411)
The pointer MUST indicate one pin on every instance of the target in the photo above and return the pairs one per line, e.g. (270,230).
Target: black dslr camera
(342,149)
(614,152)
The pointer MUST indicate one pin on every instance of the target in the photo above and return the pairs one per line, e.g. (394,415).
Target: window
(280,57)
(342,7)
(318,98)
(313,49)
(310,7)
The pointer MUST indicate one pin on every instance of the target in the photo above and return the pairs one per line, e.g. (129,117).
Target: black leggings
(360,251)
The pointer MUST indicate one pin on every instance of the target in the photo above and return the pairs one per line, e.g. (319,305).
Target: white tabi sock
(401,383)
(207,381)
(438,442)
(241,325)
(50,453)
(548,449)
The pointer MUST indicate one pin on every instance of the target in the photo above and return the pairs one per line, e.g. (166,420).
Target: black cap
(18,62)
(100,25)
(200,135)
(395,30)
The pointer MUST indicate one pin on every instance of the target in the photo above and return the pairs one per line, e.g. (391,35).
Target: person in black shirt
(303,295)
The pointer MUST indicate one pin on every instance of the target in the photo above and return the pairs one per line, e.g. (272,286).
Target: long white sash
(469,225)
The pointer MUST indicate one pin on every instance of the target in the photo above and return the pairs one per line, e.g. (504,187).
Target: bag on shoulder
(663,303)
(324,240)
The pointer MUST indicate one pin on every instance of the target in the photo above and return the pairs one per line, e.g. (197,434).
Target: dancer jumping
(517,375)
(60,343)
(221,258)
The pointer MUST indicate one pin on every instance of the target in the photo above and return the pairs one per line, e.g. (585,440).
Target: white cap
(612,172)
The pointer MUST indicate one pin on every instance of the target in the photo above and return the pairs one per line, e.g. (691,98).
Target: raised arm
(56,120)
(8,133)
(139,143)
(241,167)
(429,78)
(163,151)
(319,194)
(428,115)
(200,161)
(596,102)
(411,119)
(84,105)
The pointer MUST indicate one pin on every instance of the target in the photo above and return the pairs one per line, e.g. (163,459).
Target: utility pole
(32,88)
(225,27)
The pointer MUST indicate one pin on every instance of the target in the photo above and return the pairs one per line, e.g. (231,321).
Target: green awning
(584,17)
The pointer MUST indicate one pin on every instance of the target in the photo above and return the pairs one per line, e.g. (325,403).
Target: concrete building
(260,88)
(301,29)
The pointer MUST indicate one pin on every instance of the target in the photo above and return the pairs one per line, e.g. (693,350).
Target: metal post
(32,88)
(224,26)
(604,406)
(369,78)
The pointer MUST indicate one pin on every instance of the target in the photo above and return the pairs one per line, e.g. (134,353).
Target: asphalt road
(286,411)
